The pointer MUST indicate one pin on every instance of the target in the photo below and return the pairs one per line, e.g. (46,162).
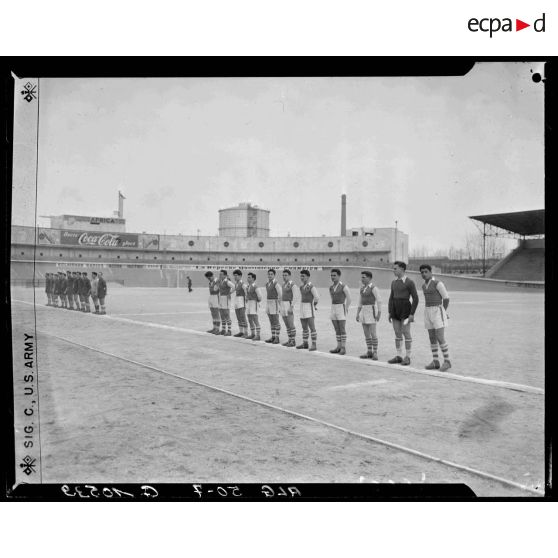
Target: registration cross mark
(28,465)
(29,92)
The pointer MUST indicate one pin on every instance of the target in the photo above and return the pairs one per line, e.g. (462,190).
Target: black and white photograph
(218,282)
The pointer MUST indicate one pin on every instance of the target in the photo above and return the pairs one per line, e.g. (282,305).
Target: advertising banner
(49,236)
(98,239)
(149,241)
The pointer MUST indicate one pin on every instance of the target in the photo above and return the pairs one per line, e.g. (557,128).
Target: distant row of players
(402,304)
(74,289)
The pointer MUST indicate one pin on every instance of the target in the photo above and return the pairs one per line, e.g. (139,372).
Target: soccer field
(145,395)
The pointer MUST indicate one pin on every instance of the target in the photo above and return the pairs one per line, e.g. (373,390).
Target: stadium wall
(55,244)
(164,261)
(159,275)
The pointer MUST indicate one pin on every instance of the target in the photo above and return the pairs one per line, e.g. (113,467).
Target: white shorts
(306,310)
(338,312)
(368,314)
(435,317)
(251,306)
(239,302)
(273,306)
(287,308)
(224,302)
(213,301)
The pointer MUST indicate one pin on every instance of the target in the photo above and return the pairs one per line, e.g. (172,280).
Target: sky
(425,151)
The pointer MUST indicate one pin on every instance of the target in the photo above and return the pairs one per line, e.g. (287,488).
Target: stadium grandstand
(526,262)
(79,243)
(74,242)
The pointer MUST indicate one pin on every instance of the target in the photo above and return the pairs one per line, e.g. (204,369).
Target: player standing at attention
(56,289)
(63,290)
(274,294)
(308,303)
(70,290)
(225,288)
(340,303)
(47,289)
(213,301)
(436,302)
(402,311)
(79,288)
(78,282)
(102,292)
(253,298)
(51,288)
(95,290)
(85,292)
(240,304)
(59,289)
(290,292)
(368,313)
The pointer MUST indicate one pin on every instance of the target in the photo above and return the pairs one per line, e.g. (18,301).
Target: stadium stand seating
(525,263)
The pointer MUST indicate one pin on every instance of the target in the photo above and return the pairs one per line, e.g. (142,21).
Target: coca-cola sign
(101,240)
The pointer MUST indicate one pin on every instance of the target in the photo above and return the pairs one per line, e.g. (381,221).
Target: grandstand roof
(525,223)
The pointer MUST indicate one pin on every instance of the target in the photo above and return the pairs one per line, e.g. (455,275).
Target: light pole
(484,250)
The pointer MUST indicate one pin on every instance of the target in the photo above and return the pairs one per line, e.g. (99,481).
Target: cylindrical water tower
(244,220)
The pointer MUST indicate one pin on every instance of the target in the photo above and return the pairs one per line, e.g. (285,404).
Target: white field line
(487,301)
(373,439)
(360,384)
(162,313)
(320,354)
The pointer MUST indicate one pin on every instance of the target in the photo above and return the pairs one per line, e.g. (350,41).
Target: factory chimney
(121,199)
(344,215)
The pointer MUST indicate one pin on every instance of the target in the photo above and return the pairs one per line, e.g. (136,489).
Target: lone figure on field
(189,283)
(436,300)
(402,311)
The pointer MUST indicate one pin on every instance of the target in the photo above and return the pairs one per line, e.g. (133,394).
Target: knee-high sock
(408,345)
(398,343)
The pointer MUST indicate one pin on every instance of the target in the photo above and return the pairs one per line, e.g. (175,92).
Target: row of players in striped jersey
(280,298)
(73,290)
